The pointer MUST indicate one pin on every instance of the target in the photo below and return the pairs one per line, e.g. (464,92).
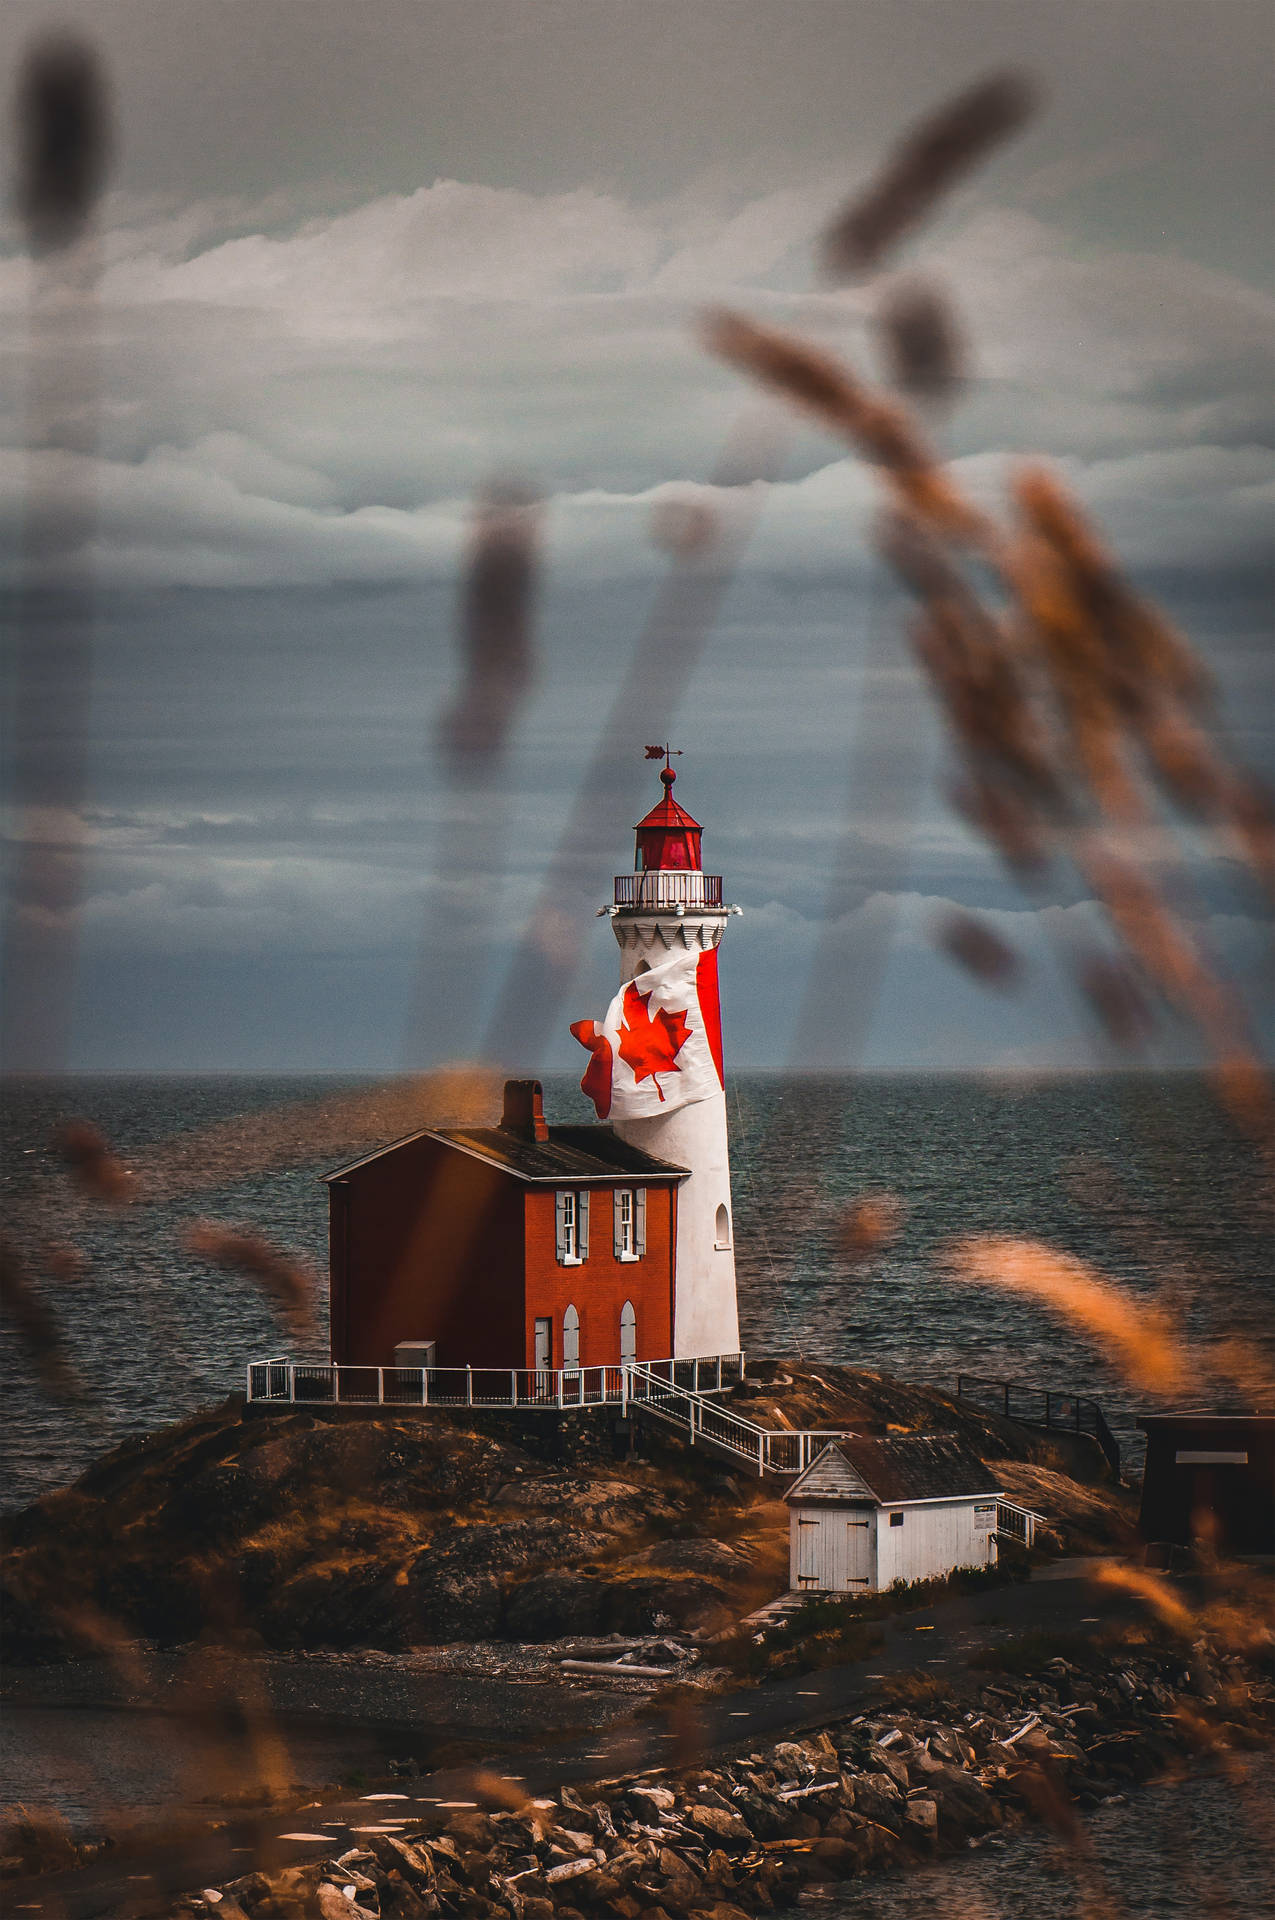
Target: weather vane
(664,753)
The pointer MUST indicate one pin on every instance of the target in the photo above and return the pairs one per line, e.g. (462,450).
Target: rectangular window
(571,1221)
(626,1224)
(896,1519)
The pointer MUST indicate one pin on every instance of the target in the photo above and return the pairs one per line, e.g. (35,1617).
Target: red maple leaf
(650,1043)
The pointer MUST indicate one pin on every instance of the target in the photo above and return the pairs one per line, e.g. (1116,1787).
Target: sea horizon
(1137,1175)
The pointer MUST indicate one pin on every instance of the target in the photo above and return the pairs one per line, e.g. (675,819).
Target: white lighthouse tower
(670,906)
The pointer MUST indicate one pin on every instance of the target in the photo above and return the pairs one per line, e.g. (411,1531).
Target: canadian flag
(660,1044)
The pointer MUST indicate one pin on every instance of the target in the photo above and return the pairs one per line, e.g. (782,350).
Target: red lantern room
(668,839)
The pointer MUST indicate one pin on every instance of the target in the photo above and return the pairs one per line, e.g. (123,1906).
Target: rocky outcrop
(884,1788)
(386,1532)
(309,1529)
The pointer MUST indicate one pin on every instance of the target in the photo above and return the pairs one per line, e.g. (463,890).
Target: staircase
(729,1435)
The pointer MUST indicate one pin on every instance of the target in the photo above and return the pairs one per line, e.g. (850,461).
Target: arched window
(628,1333)
(570,1339)
(722,1238)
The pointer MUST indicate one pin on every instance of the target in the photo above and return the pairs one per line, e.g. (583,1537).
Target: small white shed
(867,1512)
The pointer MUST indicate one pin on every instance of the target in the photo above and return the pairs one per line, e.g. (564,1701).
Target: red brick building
(522,1245)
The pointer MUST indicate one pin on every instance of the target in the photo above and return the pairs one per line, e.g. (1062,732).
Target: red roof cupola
(668,839)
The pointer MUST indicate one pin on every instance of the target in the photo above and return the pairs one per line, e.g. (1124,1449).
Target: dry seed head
(64,139)
(1142,1342)
(930,159)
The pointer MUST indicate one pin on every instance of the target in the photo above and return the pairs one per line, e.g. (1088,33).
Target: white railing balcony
(668,887)
(289,1383)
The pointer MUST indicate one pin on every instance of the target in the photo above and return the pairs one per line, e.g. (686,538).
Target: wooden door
(810,1547)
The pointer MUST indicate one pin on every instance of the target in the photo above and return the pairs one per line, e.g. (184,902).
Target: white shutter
(582,1224)
(617,1221)
(570,1339)
(639,1220)
(560,1222)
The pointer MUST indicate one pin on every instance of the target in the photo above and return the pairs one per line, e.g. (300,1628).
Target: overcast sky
(360,258)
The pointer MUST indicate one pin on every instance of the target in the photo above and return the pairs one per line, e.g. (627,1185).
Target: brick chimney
(524,1110)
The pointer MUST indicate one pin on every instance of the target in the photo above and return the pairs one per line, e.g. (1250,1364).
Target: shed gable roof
(898,1468)
(831,1475)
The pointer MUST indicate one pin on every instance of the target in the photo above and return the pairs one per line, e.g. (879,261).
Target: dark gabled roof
(912,1466)
(570,1153)
(391,1146)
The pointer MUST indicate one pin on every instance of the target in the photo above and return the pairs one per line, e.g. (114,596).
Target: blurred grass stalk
(64,142)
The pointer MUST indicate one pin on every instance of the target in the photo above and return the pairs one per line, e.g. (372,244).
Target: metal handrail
(280,1381)
(1020,1523)
(668,887)
(785,1450)
(1060,1412)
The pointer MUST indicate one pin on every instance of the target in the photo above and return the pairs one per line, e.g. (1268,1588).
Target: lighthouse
(657,1070)
(540,1259)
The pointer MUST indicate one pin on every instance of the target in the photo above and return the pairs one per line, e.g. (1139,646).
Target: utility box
(415,1353)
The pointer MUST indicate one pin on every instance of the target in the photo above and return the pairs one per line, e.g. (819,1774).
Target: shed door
(809,1551)
(544,1345)
(858,1526)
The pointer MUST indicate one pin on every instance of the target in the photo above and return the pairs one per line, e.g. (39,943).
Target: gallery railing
(665,887)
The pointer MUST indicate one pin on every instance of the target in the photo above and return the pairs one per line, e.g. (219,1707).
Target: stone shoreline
(888,1787)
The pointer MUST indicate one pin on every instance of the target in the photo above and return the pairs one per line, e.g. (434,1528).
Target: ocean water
(1173,1850)
(1140,1175)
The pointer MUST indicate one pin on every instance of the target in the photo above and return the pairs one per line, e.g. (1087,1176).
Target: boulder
(893,1765)
(452,1606)
(922,1810)
(718,1824)
(964,1803)
(877,1798)
(550,1606)
(690,1602)
(768,1819)
(399,1901)
(650,1803)
(224,1503)
(710,1557)
(508,1546)
(356,1606)
(836,1852)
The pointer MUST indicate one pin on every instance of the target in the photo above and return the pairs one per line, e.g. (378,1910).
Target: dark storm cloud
(356,266)
(222,97)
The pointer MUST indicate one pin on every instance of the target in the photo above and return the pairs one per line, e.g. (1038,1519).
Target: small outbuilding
(867,1512)
(1210,1478)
